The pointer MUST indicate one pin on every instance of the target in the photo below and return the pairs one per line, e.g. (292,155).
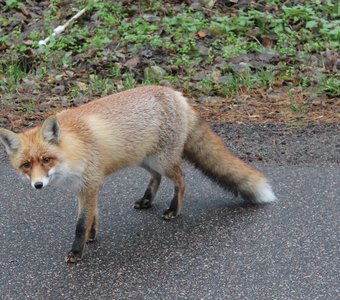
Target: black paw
(169,215)
(142,204)
(92,236)
(73,257)
(92,239)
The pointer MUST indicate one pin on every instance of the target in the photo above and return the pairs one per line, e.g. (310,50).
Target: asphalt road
(217,249)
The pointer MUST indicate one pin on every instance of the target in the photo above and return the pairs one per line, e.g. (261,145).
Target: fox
(153,127)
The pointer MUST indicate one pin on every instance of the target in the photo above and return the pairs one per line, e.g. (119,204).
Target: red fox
(153,127)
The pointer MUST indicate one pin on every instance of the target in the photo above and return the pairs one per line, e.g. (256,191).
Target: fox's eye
(26,165)
(46,160)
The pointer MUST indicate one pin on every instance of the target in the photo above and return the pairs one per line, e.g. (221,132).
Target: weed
(265,77)
(330,85)
(236,84)
(148,78)
(295,124)
(207,85)
(14,4)
(100,86)
(107,12)
(29,107)
(101,39)
(129,81)
(10,76)
(116,71)
(186,86)
(139,32)
(235,46)
(296,108)
(75,91)
(4,40)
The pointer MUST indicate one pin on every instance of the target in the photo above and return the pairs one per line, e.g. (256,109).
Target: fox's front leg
(87,223)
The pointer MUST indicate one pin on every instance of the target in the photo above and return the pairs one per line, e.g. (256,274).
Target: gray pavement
(217,249)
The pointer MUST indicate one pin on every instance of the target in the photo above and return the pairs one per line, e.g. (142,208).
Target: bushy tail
(206,151)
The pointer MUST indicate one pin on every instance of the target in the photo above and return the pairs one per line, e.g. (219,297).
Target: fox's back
(134,123)
(149,105)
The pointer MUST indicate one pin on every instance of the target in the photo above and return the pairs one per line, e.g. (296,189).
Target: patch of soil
(18,111)
(275,107)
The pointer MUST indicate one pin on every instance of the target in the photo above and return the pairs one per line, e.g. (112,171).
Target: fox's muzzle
(40,183)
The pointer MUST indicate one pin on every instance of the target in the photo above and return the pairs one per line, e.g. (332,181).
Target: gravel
(280,144)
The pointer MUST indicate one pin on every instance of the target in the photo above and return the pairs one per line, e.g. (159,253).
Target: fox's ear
(51,130)
(10,140)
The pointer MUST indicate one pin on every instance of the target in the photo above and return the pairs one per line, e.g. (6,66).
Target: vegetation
(226,50)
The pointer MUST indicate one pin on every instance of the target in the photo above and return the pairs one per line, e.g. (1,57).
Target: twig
(59,29)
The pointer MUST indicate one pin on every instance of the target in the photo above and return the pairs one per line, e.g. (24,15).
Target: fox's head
(34,152)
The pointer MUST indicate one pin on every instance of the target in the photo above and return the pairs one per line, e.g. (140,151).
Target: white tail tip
(264,193)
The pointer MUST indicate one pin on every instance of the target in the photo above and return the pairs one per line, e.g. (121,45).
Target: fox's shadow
(129,236)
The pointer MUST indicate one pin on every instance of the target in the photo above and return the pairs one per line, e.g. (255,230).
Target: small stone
(59,77)
(59,89)
(165,83)
(151,18)
(82,86)
(199,76)
(69,73)
(195,5)
(132,63)
(225,79)
(216,75)
(212,99)
(154,73)
(203,49)
(241,67)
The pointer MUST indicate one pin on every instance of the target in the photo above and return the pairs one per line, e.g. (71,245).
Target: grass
(293,30)
(11,74)
(330,85)
(10,4)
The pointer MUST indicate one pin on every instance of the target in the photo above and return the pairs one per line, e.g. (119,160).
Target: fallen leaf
(201,34)
(50,80)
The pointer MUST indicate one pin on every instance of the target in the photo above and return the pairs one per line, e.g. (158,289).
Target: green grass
(301,29)
(11,74)
(10,4)
(330,85)
(100,86)
(29,107)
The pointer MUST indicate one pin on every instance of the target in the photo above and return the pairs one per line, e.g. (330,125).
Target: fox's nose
(38,185)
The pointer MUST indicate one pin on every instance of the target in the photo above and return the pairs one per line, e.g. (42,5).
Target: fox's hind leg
(151,190)
(176,175)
